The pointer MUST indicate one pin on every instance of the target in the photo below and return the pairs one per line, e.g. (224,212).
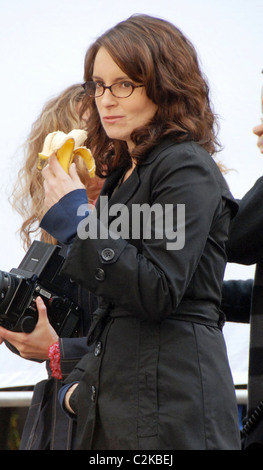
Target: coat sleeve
(151,283)
(71,350)
(236,300)
(245,245)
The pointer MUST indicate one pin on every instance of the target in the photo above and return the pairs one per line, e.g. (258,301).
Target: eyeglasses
(119,89)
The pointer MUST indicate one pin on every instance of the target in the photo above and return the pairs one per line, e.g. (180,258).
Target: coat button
(93,393)
(98,349)
(99,274)
(107,254)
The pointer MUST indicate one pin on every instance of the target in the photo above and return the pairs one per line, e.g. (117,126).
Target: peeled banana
(67,146)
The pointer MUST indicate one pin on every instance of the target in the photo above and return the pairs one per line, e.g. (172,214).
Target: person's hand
(67,398)
(258,130)
(57,183)
(33,345)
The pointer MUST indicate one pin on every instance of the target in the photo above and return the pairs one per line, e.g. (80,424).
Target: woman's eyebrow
(117,79)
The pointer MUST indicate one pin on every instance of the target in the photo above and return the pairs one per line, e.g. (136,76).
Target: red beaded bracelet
(54,356)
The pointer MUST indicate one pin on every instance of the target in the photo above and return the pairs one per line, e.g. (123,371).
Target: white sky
(42,48)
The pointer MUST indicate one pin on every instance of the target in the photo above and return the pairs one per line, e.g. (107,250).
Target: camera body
(38,275)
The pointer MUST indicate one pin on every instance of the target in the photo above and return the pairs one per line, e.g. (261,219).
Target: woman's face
(120,116)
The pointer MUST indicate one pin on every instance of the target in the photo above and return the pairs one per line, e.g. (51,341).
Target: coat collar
(155,152)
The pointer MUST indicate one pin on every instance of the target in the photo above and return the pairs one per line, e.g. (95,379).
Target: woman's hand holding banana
(58,183)
(60,174)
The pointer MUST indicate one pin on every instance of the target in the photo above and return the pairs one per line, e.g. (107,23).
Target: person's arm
(64,193)
(236,300)
(71,351)
(64,397)
(67,399)
(64,216)
(34,345)
(43,344)
(245,243)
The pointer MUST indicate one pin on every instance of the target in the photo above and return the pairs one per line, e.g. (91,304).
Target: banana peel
(67,147)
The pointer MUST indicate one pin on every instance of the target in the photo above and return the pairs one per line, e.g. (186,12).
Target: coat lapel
(122,195)
(130,186)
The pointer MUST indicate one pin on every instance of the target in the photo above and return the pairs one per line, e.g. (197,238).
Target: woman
(157,375)
(47,427)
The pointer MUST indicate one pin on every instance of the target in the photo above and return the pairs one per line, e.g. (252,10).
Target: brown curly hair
(154,52)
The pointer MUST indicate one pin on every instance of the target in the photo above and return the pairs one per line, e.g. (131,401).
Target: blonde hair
(60,113)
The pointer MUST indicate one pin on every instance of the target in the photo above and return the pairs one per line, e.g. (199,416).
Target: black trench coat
(158,375)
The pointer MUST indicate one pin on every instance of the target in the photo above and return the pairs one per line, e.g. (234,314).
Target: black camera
(38,275)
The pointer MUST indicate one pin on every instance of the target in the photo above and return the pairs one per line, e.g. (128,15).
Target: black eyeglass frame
(84,85)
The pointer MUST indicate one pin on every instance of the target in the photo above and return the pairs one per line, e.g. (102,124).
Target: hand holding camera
(35,344)
(36,305)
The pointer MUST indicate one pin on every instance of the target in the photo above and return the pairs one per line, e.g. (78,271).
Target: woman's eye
(126,84)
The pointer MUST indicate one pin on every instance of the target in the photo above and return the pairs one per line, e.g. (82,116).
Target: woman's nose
(107,98)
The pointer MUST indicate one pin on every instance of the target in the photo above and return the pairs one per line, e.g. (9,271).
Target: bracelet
(54,356)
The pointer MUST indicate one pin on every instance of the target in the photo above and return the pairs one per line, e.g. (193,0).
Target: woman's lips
(112,119)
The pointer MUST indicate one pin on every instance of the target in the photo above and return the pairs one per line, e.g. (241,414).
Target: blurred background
(42,48)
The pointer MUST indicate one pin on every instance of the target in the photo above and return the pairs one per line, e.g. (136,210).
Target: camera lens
(8,284)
